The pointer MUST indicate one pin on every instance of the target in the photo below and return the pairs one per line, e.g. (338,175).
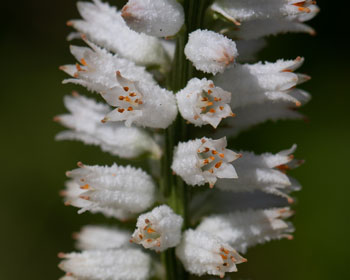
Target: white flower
(243,10)
(209,51)
(254,29)
(158,18)
(127,189)
(96,68)
(119,264)
(105,26)
(257,83)
(101,237)
(267,111)
(159,229)
(72,195)
(244,229)
(200,102)
(203,253)
(84,122)
(144,104)
(265,172)
(204,160)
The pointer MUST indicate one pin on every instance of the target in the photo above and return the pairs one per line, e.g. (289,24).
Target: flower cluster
(147,110)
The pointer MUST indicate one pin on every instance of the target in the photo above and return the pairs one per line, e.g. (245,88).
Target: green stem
(174,189)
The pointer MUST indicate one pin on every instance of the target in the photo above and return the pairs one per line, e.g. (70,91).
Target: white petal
(159,229)
(105,26)
(209,51)
(158,18)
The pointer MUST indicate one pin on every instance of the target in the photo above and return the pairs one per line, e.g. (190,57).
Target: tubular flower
(243,10)
(209,51)
(101,238)
(265,172)
(158,18)
(257,83)
(119,264)
(144,104)
(105,26)
(203,253)
(246,229)
(204,160)
(123,188)
(201,102)
(84,122)
(96,68)
(159,229)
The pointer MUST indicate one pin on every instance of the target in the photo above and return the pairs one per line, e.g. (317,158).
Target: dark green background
(34,223)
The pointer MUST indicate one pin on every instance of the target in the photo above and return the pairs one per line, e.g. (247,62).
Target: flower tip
(75,93)
(61,255)
(56,119)
(80,164)
(68,173)
(104,120)
(69,23)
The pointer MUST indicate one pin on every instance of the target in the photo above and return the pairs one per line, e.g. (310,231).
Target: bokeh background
(34,223)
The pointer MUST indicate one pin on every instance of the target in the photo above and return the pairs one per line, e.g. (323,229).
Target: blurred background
(35,225)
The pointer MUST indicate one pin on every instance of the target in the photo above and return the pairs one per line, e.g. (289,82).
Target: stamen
(130,109)
(126,88)
(121,110)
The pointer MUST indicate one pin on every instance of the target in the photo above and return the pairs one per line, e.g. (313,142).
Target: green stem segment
(173,188)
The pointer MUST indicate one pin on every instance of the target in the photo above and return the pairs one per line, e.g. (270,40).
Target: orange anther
(214,152)
(222,155)
(210,91)
(85,187)
(121,110)
(121,98)
(83,61)
(130,109)
(218,164)
(126,88)
(212,111)
(132,94)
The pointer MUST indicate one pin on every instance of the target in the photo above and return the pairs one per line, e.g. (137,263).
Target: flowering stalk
(174,189)
(151,108)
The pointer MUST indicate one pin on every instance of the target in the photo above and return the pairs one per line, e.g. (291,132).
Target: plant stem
(173,188)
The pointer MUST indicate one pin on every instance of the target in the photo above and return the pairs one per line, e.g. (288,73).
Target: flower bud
(209,51)
(158,18)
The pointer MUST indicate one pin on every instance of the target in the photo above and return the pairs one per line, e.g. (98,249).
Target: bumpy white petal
(263,27)
(158,18)
(144,104)
(259,113)
(84,122)
(248,228)
(72,196)
(127,189)
(119,264)
(159,229)
(201,102)
(243,10)
(105,26)
(203,253)
(209,51)
(265,172)
(96,68)
(204,160)
(101,237)
(257,83)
